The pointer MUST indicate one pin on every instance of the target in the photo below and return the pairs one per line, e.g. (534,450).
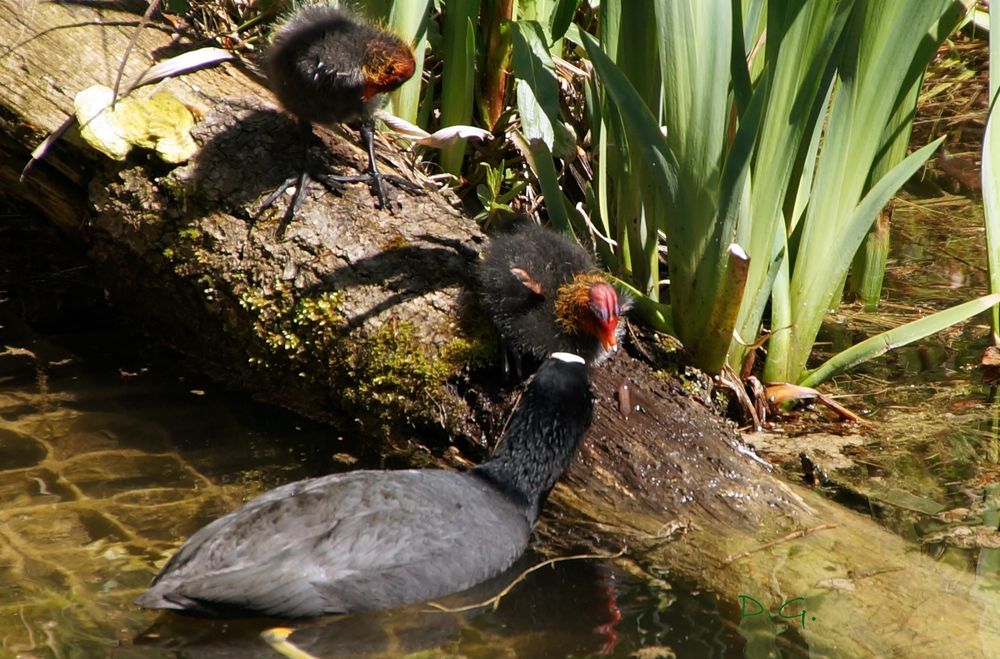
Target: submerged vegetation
(729,161)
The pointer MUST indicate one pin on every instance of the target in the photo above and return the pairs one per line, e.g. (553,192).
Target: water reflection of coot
(369,540)
(562,610)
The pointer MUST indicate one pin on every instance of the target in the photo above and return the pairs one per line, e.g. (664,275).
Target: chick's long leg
(300,181)
(333,182)
(371,175)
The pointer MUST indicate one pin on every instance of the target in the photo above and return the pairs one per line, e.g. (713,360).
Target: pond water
(112,453)
(928,464)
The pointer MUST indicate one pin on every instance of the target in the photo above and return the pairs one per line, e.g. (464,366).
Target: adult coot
(544,294)
(326,66)
(368,540)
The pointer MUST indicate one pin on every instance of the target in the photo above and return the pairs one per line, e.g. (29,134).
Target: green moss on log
(385,378)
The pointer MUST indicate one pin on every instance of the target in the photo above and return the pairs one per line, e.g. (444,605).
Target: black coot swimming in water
(369,540)
(326,66)
(544,294)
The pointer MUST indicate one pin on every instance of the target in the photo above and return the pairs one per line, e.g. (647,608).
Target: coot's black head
(543,433)
(560,392)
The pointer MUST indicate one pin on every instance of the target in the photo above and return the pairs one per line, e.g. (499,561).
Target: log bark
(359,316)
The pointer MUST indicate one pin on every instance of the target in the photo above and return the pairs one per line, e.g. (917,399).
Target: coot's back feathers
(356,541)
(373,539)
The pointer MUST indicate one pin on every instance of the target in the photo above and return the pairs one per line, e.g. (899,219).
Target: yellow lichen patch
(159,122)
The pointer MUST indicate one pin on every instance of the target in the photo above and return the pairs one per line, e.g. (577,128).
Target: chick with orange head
(327,66)
(544,294)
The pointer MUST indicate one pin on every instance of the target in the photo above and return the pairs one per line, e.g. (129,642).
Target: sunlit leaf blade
(883,41)
(540,160)
(900,336)
(694,54)
(801,50)
(868,268)
(835,262)
(562,17)
(991,173)
(630,199)
(409,21)
(537,87)
(653,314)
(637,119)
(459,62)
(991,206)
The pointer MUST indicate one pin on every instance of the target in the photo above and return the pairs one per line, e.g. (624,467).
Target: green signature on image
(789,610)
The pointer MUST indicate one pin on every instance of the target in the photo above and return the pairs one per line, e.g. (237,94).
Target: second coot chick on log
(327,66)
(544,294)
(368,540)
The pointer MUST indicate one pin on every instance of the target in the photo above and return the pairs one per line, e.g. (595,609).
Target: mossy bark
(358,315)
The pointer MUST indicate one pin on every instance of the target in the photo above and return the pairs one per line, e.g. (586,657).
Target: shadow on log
(358,316)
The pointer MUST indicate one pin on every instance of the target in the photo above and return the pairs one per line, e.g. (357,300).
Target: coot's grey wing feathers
(257,589)
(273,520)
(257,535)
(415,535)
(451,543)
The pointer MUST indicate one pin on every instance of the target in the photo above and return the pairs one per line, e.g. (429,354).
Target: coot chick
(544,294)
(326,66)
(368,540)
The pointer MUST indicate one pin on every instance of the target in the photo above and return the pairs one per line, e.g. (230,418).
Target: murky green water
(928,465)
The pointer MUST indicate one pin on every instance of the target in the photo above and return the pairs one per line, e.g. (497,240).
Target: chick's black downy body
(327,66)
(369,540)
(316,65)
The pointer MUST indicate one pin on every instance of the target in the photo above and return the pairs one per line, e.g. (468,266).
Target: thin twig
(495,600)
(128,49)
(767,545)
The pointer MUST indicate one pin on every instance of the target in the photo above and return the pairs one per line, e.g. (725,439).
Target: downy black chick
(544,294)
(327,66)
